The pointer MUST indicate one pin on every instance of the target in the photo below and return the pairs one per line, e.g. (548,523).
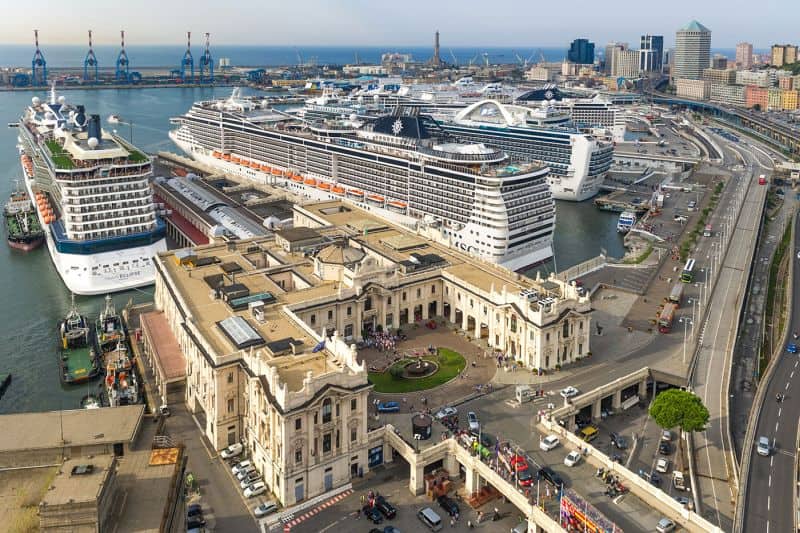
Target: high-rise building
(719,62)
(783,54)
(651,53)
(625,63)
(437,59)
(608,55)
(581,51)
(744,55)
(692,51)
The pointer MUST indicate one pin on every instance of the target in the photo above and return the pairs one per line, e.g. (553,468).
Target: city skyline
(358,23)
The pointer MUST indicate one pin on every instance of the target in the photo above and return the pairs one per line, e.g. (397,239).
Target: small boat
(108,328)
(398,206)
(226,157)
(216,154)
(122,388)
(323,186)
(276,172)
(297,178)
(90,401)
(310,181)
(24,232)
(339,191)
(113,119)
(265,168)
(77,358)
(626,221)
(375,199)
(117,359)
(355,193)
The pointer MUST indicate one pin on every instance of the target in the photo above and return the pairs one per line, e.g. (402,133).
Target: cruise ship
(578,162)
(94,198)
(469,196)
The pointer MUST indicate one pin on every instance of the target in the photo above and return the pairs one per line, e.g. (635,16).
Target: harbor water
(36,299)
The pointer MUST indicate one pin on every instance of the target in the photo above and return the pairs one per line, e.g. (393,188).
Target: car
(798,255)
(524,476)
(240,466)
(390,529)
(569,392)
(265,509)
(372,514)
(194,509)
(618,441)
(245,472)
(251,478)
(665,525)
(686,502)
(763,447)
(551,476)
(474,424)
(444,412)
(664,448)
(448,504)
(662,465)
(666,436)
(549,442)
(389,407)
(255,489)
(232,451)
(572,458)
(386,508)
(791,347)
(195,522)
(678,481)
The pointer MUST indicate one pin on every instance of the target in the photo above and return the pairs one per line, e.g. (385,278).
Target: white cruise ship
(93,197)
(468,196)
(578,162)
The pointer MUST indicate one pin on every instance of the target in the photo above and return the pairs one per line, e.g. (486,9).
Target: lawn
(61,159)
(136,157)
(450,365)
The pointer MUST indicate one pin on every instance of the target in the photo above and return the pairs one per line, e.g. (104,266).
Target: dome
(35,100)
(340,255)
(92,142)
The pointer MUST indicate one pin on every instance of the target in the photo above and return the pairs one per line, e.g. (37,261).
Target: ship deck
(77,364)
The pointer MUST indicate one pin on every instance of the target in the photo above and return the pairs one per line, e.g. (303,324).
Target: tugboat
(122,387)
(118,358)
(22,225)
(77,358)
(109,328)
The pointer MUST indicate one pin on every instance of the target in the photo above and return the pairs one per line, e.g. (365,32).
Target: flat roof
(166,350)
(81,427)
(68,488)
(298,234)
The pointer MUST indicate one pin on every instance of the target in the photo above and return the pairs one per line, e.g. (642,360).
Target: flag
(319,347)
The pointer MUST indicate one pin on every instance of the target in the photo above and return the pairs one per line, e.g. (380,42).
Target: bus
(676,294)
(708,231)
(666,317)
(687,276)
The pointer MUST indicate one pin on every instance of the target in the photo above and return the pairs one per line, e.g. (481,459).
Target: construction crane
(455,61)
(523,62)
(299,57)
(207,63)
(474,58)
(38,64)
(188,60)
(89,63)
(486,59)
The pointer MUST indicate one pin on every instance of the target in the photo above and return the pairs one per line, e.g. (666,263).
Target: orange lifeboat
(324,186)
(338,190)
(310,181)
(398,205)
(276,172)
(264,168)
(356,193)
(236,159)
(376,199)
(216,154)
(297,177)
(226,157)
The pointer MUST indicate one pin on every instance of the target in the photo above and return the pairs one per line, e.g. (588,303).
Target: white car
(232,451)
(572,459)
(444,412)
(264,509)
(474,425)
(251,478)
(569,392)
(548,443)
(255,489)
(662,465)
(245,472)
(240,466)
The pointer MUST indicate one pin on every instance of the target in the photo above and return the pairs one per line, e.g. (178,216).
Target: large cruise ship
(578,162)
(93,197)
(404,169)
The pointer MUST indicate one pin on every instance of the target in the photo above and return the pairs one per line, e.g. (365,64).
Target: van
(589,433)
(524,393)
(429,517)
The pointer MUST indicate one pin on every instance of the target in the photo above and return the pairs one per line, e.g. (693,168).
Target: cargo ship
(22,225)
(77,357)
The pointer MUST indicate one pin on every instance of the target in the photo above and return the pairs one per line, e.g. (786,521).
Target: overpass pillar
(451,465)
(532,527)
(616,400)
(643,389)
(388,453)
(571,423)
(597,408)
(416,481)
(472,483)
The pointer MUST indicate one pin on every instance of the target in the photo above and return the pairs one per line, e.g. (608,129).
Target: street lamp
(685,321)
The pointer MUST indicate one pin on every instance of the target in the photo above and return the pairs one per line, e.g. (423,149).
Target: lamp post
(685,321)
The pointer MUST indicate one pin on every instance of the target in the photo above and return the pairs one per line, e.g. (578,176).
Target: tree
(679,408)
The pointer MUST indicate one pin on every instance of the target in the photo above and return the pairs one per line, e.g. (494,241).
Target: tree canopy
(679,408)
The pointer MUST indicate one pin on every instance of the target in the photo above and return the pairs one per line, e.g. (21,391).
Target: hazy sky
(399,22)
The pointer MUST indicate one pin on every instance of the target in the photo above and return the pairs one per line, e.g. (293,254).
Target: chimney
(94,127)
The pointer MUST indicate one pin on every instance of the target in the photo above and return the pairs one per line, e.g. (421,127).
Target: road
(768,505)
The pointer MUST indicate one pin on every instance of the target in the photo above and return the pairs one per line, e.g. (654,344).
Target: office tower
(692,51)
(719,62)
(581,51)
(651,53)
(744,55)
(625,63)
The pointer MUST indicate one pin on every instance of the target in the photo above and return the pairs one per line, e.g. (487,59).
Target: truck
(524,393)
(666,317)
(659,200)
(676,294)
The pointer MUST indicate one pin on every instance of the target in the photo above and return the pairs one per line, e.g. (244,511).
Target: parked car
(664,448)
(245,472)
(240,466)
(763,447)
(390,529)
(686,502)
(569,392)
(255,489)
(665,525)
(549,442)
(386,508)
(662,465)
(678,481)
(572,458)
(666,435)
(474,425)
(251,478)
(447,503)
(388,407)
(444,412)
(618,441)
(265,509)
(194,510)
(551,476)
(232,451)
(372,514)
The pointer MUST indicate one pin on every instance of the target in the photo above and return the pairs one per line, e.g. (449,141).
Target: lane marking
(779,411)
(769,482)
(771,460)
(792,374)
(776,427)
(769,499)
(787,385)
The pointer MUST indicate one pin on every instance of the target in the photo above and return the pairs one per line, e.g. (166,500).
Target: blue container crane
(38,64)
(121,75)
(188,61)
(207,63)
(89,63)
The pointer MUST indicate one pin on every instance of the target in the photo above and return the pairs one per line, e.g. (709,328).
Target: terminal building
(268,326)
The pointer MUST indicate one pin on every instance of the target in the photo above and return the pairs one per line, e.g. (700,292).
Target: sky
(405,22)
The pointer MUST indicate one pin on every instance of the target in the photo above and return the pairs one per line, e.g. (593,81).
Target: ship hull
(26,245)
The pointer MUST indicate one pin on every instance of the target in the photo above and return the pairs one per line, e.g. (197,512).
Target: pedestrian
(452,522)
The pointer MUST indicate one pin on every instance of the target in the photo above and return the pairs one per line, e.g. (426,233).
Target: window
(447,290)
(565,330)
(313,319)
(513,323)
(580,326)
(368,304)
(298,424)
(419,293)
(353,404)
(230,377)
(580,349)
(389,320)
(330,314)
(353,435)
(337,410)
(298,456)
(230,405)
(326,411)
(337,439)
(433,289)
(316,418)
(404,296)
(349,311)
(389,300)
(348,331)
(326,443)
(547,337)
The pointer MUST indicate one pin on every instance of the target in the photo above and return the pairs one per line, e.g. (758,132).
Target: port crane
(474,58)
(38,64)
(90,63)
(187,63)
(455,61)
(207,63)
(524,62)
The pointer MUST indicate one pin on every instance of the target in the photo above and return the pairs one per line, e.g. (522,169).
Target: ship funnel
(94,129)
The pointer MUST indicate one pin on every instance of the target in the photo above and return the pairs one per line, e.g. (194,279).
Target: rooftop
(78,480)
(166,351)
(695,26)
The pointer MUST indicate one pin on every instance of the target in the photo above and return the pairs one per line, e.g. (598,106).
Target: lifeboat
(226,157)
(264,168)
(310,181)
(356,193)
(236,159)
(324,186)
(276,172)
(254,165)
(338,190)
(216,154)
(374,198)
(297,177)
(397,205)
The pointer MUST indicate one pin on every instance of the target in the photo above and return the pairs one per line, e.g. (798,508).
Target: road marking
(776,427)
(787,385)
(771,460)
(795,363)
(779,411)
(767,526)
(769,482)
(792,374)
(769,499)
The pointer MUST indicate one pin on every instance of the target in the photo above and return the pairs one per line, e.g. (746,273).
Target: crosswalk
(291,520)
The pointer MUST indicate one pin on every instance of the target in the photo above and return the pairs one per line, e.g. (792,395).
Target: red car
(524,475)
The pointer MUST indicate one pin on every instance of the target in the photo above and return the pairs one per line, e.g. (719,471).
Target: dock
(619,201)
(5,381)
